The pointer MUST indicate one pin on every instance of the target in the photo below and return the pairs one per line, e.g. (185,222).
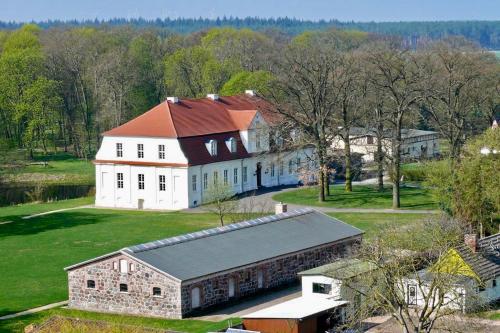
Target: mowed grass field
(362,196)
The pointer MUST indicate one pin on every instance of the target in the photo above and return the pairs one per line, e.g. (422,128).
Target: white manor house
(168,157)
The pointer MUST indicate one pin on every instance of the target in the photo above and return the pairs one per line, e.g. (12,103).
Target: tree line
(62,87)
(484,33)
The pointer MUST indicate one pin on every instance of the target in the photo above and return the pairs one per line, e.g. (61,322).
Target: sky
(343,10)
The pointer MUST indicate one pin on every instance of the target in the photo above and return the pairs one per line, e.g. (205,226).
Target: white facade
(159,176)
(416,144)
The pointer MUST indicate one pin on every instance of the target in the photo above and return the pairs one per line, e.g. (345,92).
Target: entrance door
(140,204)
(195,298)
(258,171)
(231,287)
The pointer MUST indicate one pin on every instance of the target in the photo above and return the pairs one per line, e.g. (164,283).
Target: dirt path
(34,310)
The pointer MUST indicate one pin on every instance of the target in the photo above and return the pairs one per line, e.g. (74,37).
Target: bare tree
(396,73)
(220,200)
(303,96)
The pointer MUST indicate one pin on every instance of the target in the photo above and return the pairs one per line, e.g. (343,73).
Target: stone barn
(183,275)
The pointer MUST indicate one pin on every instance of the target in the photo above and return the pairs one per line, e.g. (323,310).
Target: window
(235,175)
(123,266)
(119,150)
(161,152)
(494,283)
(272,169)
(225,177)
(213,147)
(216,177)
(205,181)
(162,182)
(140,150)
(321,288)
(369,139)
(119,180)
(140,179)
(193,182)
(131,267)
(282,168)
(245,177)
(298,163)
(123,288)
(232,145)
(257,140)
(91,284)
(290,167)
(115,265)
(156,291)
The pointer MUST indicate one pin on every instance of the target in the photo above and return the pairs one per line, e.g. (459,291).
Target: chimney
(173,99)
(471,241)
(250,92)
(213,97)
(280,208)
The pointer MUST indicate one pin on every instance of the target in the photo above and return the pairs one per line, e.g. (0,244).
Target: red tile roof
(195,117)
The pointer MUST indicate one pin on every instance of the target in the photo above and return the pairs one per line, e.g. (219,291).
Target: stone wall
(139,300)
(215,290)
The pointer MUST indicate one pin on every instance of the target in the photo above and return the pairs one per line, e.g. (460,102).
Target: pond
(10,195)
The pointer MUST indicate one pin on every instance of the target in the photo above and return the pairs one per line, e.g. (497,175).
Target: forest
(484,33)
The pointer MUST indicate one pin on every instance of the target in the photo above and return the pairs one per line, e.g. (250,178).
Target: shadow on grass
(62,220)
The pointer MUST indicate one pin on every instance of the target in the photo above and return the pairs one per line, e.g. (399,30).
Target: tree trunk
(396,164)
(348,168)
(380,164)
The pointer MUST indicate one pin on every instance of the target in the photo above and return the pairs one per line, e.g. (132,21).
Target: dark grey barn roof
(486,260)
(216,250)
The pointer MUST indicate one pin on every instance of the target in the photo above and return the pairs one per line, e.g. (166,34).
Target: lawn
(361,197)
(191,326)
(60,169)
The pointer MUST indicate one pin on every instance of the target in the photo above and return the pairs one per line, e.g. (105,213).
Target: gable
(453,263)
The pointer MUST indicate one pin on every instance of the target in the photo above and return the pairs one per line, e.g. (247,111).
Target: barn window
(123,266)
(321,288)
(156,291)
(91,284)
(123,288)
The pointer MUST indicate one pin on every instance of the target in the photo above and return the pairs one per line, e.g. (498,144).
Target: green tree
(239,82)
(471,193)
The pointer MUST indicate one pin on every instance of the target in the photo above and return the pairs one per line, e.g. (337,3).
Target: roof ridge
(215,231)
(169,112)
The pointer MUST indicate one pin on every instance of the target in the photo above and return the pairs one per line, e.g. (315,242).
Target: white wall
(173,152)
(309,280)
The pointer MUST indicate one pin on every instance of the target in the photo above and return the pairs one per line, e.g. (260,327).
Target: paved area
(55,211)
(34,310)
(253,304)
(261,201)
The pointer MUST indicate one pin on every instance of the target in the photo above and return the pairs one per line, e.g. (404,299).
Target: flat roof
(297,308)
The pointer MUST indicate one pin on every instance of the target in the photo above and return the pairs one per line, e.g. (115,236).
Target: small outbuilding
(179,276)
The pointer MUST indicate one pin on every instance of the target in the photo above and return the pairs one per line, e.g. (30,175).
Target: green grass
(360,197)
(374,223)
(184,325)
(61,168)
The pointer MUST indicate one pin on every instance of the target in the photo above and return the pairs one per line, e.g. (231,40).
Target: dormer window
(213,147)
(231,145)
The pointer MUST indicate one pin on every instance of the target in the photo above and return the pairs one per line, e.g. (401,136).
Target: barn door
(231,287)
(195,298)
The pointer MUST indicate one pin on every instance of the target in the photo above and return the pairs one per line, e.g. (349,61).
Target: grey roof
(341,269)
(216,250)
(485,262)
(405,133)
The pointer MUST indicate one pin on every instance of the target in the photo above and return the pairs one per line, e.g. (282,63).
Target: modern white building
(168,157)
(417,144)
